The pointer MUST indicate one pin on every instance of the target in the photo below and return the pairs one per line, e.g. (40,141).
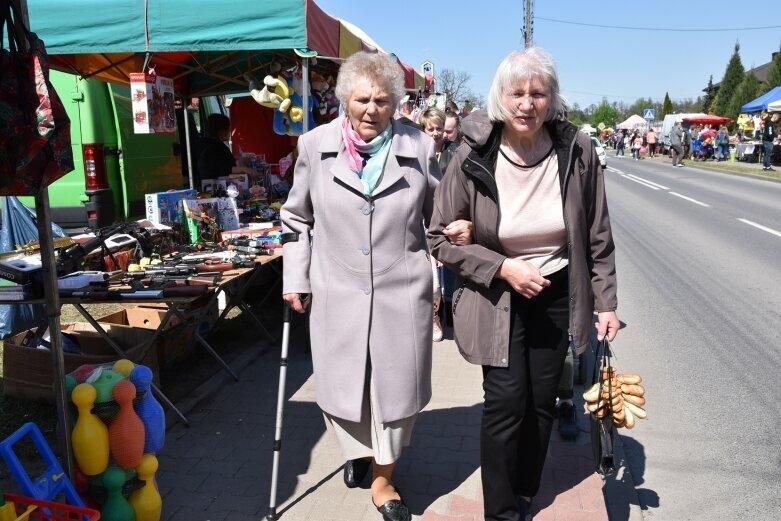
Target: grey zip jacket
(481,302)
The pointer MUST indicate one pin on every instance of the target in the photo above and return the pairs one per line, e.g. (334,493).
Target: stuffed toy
(323,90)
(275,93)
(291,123)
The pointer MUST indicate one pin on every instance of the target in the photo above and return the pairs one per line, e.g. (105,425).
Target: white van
(667,125)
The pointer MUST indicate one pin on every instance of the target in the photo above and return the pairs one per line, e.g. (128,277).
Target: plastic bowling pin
(90,437)
(116,507)
(149,410)
(126,432)
(7,510)
(123,366)
(146,501)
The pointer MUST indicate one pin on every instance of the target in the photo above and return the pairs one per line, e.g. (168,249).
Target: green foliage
(667,105)
(710,95)
(733,76)
(773,74)
(605,113)
(748,90)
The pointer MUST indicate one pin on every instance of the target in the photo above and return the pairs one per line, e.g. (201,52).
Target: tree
(605,113)
(732,78)
(748,90)
(667,105)
(773,74)
(710,95)
(455,84)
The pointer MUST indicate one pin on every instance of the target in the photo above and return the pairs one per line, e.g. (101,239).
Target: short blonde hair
(518,66)
(432,114)
(382,68)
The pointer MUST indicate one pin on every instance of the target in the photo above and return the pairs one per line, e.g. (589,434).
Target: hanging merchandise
(153,103)
(35,147)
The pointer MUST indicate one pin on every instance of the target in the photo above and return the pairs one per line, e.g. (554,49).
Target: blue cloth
(20,227)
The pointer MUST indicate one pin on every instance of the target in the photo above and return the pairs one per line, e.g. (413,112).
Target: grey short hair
(384,69)
(518,66)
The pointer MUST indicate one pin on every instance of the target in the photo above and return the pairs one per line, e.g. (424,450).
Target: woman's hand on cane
(295,302)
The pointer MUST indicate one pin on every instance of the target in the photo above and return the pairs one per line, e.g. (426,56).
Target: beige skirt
(370,438)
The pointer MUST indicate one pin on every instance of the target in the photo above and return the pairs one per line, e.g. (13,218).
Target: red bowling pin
(126,433)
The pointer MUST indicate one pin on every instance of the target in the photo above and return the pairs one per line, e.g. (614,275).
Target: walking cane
(272,509)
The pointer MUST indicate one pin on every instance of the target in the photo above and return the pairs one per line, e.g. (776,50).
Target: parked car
(114,167)
(600,152)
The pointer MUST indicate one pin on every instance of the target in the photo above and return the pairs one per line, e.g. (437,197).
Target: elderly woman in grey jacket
(541,261)
(355,243)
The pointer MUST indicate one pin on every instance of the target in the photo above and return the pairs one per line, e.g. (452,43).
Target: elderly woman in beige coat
(355,249)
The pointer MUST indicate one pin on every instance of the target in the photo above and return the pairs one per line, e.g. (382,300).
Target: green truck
(114,168)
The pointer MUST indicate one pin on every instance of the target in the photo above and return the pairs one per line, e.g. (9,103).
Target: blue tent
(761,102)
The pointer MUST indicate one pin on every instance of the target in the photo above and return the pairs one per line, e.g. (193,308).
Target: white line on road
(763,228)
(640,182)
(616,170)
(695,201)
(647,181)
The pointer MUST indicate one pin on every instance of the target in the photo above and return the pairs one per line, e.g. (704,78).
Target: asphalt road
(699,274)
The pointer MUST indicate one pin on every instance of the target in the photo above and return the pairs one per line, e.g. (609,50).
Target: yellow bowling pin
(146,501)
(90,435)
(123,366)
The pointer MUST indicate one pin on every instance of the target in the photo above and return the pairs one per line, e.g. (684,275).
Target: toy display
(115,451)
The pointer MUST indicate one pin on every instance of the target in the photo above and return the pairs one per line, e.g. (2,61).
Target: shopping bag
(602,428)
(35,145)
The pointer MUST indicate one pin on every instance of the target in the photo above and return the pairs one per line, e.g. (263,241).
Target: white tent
(774,106)
(588,129)
(632,122)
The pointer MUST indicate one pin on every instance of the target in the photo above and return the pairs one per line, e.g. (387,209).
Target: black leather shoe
(395,510)
(355,471)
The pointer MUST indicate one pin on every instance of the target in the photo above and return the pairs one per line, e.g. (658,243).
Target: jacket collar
(402,146)
(484,138)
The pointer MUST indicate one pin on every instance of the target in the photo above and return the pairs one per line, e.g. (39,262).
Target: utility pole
(528,24)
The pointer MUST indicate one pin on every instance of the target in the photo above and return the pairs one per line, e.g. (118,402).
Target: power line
(659,28)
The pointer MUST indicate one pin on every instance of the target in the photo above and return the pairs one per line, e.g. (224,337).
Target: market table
(234,284)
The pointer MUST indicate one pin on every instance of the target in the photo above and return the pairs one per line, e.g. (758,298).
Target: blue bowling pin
(149,410)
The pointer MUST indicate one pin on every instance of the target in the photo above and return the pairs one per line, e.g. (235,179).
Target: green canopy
(205,46)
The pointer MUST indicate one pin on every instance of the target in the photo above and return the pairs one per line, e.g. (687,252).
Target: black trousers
(519,400)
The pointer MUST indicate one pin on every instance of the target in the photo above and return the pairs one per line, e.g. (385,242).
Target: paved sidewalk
(219,469)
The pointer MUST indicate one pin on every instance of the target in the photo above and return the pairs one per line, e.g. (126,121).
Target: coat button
(366,250)
(507,308)
(366,210)
(504,360)
(366,291)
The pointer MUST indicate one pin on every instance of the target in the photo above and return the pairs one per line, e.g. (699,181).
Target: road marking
(616,170)
(647,181)
(763,228)
(695,201)
(640,182)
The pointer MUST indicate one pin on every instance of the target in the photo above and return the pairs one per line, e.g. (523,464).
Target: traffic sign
(649,114)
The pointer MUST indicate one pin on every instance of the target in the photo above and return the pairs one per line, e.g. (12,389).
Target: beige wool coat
(367,268)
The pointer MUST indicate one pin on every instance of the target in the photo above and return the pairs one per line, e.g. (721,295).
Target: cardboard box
(153,103)
(166,207)
(29,372)
(177,341)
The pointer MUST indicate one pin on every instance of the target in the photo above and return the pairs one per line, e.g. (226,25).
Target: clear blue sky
(593,62)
